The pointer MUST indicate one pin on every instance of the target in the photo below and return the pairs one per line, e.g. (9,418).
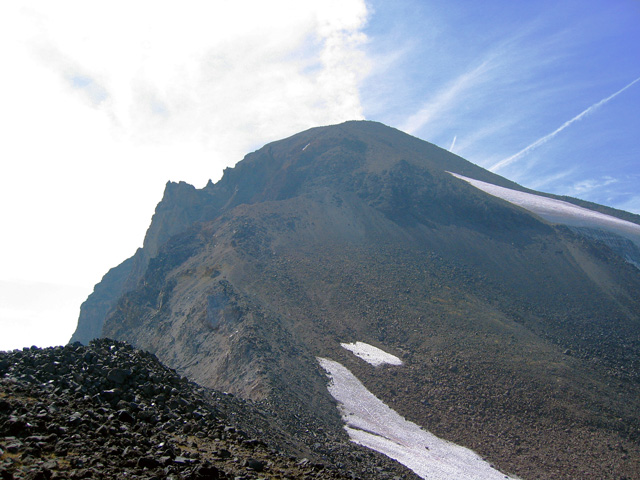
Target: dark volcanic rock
(61,425)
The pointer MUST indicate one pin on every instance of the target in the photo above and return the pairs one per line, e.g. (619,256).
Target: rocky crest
(109,411)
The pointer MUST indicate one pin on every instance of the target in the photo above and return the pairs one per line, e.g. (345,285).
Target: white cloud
(105,102)
(205,68)
(588,185)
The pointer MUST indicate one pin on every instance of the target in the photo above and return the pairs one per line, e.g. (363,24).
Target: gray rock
(255,465)
(118,375)
(14,447)
(125,416)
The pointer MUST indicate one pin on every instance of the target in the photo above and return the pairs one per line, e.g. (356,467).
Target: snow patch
(558,211)
(305,147)
(371,354)
(371,423)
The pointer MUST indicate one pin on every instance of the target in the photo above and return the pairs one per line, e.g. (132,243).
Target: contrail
(453,144)
(546,138)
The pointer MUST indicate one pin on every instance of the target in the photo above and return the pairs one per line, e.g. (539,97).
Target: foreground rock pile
(109,411)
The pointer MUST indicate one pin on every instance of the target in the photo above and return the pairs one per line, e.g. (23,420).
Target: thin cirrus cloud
(445,99)
(95,92)
(550,179)
(488,96)
(513,158)
(491,89)
(588,185)
(631,203)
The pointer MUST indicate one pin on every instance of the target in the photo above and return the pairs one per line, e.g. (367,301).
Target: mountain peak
(509,325)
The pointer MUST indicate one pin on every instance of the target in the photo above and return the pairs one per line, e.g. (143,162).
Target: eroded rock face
(356,232)
(181,206)
(109,411)
(622,246)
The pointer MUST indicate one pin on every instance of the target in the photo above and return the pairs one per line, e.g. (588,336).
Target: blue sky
(103,102)
(499,76)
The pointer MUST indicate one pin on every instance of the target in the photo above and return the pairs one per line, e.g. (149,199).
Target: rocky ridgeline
(109,411)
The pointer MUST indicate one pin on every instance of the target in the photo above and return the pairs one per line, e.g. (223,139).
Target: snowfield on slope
(371,354)
(371,423)
(558,211)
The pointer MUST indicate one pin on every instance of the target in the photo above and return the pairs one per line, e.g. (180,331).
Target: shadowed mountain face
(520,338)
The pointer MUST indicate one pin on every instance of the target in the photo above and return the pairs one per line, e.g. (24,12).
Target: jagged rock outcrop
(181,206)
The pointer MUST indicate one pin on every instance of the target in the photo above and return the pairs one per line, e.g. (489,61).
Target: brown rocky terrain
(521,338)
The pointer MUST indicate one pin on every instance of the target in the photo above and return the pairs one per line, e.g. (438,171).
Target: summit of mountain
(519,333)
(356,156)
